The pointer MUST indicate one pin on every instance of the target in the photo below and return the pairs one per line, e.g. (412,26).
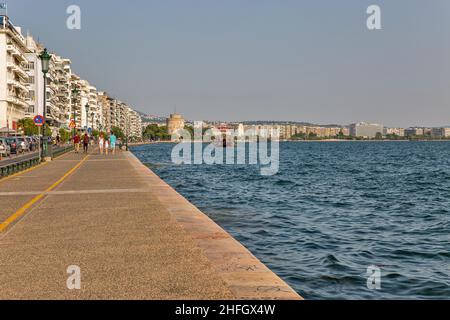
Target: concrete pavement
(131,235)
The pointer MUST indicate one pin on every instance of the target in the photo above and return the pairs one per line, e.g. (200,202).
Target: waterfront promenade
(131,235)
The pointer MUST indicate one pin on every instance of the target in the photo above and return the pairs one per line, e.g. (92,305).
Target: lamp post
(75,92)
(92,121)
(45,60)
(126,135)
(87,115)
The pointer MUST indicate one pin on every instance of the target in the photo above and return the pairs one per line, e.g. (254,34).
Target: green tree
(30,129)
(155,132)
(64,135)
(118,132)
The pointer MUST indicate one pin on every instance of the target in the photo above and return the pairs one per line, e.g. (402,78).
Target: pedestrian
(76,143)
(86,141)
(112,143)
(106,146)
(101,142)
(58,140)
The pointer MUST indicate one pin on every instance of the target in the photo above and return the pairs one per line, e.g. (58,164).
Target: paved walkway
(131,235)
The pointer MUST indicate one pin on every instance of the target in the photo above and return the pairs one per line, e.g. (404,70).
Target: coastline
(296,141)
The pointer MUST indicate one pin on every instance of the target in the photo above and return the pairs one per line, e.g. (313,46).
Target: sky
(283,60)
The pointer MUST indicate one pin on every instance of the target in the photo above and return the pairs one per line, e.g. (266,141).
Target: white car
(5,149)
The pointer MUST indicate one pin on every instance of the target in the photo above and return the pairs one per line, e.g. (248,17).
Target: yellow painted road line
(29,204)
(29,169)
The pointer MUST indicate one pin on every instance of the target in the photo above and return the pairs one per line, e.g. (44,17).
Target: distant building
(174,123)
(418,131)
(394,131)
(440,132)
(366,130)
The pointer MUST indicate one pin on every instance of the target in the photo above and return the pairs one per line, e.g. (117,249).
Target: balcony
(17,84)
(50,90)
(17,101)
(62,94)
(17,70)
(15,53)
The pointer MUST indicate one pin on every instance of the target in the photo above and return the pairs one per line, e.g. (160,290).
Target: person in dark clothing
(76,143)
(86,141)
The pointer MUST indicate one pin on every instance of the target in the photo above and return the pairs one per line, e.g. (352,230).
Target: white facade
(35,97)
(13,75)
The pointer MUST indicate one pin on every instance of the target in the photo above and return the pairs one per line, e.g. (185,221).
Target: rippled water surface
(334,209)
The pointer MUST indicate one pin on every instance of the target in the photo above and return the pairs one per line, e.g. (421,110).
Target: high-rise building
(366,130)
(14,76)
(35,98)
(104,108)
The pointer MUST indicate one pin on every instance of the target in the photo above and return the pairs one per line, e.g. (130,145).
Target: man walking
(86,141)
(112,143)
(76,142)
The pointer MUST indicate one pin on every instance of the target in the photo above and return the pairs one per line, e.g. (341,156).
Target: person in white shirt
(101,143)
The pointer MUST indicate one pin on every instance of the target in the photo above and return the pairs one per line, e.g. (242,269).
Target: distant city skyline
(163,118)
(306,61)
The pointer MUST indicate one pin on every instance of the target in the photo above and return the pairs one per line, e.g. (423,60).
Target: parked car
(5,149)
(15,145)
(24,144)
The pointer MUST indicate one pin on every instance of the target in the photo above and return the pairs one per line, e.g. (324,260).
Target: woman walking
(101,143)
(106,146)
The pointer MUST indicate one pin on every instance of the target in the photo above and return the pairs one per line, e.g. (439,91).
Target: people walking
(76,143)
(101,142)
(112,143)
(86,141)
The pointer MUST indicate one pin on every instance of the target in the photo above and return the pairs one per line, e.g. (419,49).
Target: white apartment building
(366,130)
(22,90)
(103,105)
(94,110)
(135,124)
(63,91)
(440,133)
(13,75)
(394,131)
(84,101)
(75,100)
(33,67)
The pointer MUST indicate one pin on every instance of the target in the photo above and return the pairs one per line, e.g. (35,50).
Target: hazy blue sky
(310,60)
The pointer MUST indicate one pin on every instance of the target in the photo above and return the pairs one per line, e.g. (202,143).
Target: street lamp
(92,121)
(45,60)
(126,135)
(75,92)
(87,115)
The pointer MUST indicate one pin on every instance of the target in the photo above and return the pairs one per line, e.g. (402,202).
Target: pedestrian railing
(58,151)
(15,165)
(11,166)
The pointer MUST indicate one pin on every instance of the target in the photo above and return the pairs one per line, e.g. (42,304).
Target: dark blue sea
(333,210)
